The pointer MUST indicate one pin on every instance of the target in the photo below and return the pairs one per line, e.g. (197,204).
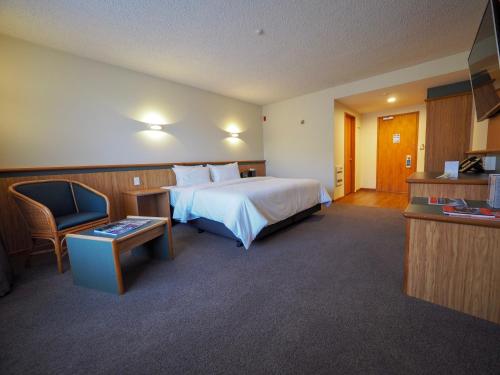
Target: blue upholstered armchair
(54,208)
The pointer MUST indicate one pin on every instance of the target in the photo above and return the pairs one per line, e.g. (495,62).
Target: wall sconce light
(235,135)
(155,127)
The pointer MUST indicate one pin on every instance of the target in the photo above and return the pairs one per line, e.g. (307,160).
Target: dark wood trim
(118,166)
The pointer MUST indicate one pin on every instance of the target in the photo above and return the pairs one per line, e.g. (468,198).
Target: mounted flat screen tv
(484,63)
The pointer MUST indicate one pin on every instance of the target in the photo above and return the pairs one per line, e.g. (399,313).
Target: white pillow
(224,172)
(191,176)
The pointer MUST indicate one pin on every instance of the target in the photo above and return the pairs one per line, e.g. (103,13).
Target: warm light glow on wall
(233,128)
(154,118)
(233,140)
(234,131)
(153,135)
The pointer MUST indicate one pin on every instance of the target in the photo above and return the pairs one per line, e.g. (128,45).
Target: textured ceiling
(212,44)
(406,95)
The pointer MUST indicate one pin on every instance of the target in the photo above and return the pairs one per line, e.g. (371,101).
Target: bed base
(220,229)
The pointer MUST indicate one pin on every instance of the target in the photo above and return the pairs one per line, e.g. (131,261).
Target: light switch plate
(137,181)
(489,163)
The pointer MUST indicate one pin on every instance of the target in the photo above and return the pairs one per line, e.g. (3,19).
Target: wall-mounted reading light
(235,135)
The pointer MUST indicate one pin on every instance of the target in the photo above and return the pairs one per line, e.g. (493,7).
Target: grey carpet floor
(321,297)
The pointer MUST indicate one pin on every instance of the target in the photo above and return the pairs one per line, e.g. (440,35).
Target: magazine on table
(440,201)
(121,227)
(472,212)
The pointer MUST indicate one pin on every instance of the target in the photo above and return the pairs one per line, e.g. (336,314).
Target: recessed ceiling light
(391,99)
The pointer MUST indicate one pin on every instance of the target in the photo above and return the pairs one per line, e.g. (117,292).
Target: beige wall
(339,119)
(368,143)
(304,150)
(59,109)
(479,131)
(310,151)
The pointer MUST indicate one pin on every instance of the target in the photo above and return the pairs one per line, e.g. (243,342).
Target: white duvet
(247,205)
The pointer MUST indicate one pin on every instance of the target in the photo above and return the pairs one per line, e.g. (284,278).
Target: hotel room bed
(247,209)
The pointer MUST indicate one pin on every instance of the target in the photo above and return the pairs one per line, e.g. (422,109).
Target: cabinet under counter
(466,186)
(453,261)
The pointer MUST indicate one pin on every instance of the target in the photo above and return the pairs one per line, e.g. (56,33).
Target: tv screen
(484,66)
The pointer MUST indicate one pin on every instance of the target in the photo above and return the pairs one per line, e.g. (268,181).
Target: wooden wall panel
(455,265)
(112,183)
(448,128)
(493,140)
(474,192)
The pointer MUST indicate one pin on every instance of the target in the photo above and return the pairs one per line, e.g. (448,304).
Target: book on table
(121,227)
(472,212)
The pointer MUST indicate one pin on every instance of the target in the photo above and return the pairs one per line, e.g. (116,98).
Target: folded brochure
(121,227)
(440,201)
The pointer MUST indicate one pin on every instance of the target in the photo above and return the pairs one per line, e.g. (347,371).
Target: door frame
(353,152)
(378,140)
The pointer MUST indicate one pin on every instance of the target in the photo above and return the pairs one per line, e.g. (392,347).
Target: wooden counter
(466,186)
(419,209)
(453,261)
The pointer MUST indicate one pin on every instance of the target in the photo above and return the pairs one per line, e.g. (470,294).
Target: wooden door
(397,140)
(447,130)
(493,140)
(349,153)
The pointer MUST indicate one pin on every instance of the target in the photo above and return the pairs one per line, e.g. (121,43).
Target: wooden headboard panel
(108,179)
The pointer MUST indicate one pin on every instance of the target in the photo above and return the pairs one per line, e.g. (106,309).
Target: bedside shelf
(484,152)
(147,202)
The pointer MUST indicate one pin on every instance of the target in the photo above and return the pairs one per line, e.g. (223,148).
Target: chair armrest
(37,216)
(88,199)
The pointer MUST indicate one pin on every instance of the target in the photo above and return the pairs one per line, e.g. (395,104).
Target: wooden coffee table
(95,258)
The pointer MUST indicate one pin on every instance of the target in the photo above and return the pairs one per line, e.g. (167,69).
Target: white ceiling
(406,95)
(307,45)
